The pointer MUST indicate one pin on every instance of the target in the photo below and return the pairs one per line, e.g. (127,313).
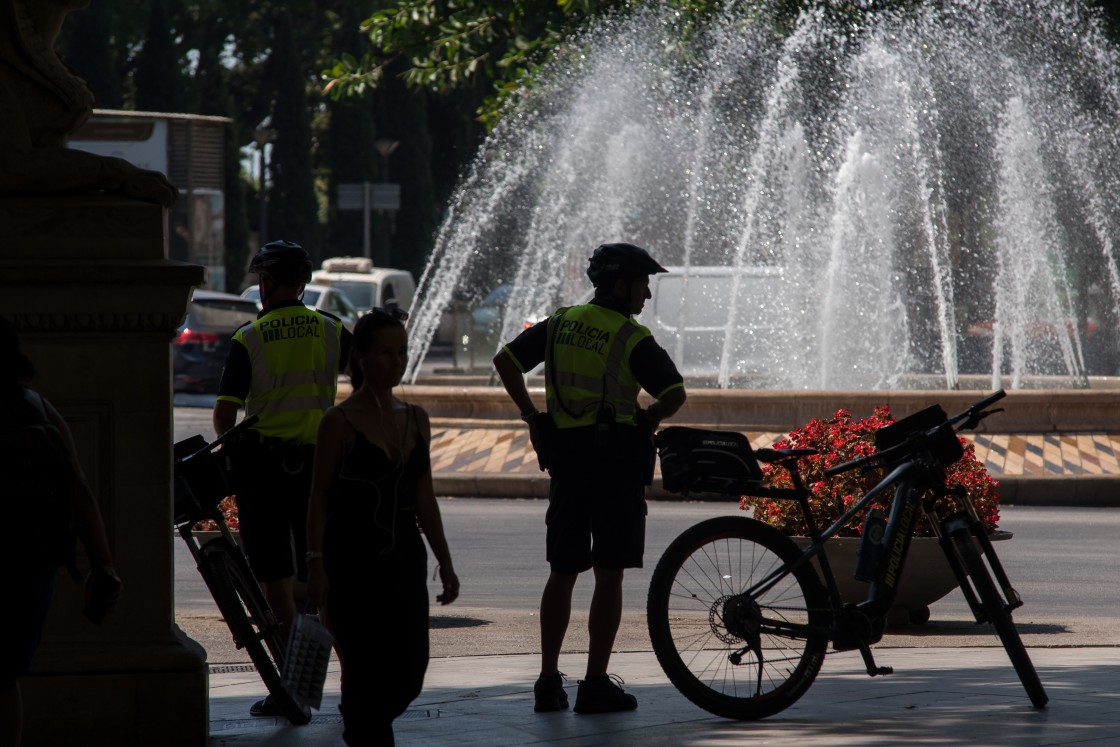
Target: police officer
(282,367)
(596,442)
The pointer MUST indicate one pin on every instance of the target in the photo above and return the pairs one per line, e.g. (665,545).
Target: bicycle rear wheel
(252,623)
(998,615)
(713,642)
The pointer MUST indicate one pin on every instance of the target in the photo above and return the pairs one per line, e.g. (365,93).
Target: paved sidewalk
(937,696)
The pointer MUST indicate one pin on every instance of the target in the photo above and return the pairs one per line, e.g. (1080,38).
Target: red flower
(228,507)
(840,440)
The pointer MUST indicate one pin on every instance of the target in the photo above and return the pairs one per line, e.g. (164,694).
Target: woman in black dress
(32,570)
(371,497)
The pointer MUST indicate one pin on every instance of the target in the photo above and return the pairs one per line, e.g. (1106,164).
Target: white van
(365,285)
(690,312)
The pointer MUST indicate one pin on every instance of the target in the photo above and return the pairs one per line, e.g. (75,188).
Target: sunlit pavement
(938,696)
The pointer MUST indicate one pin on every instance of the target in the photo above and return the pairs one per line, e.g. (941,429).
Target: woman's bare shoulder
(423,422)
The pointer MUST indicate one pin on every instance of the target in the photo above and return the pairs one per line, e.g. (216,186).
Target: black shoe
(266,707)
(601,694)
(549,693)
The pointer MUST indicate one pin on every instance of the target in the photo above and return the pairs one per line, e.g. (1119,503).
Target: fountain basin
(1025,411)
(1048,448)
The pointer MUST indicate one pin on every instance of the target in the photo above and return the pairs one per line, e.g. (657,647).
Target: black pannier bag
(702,461)
(200,484)
(943,444)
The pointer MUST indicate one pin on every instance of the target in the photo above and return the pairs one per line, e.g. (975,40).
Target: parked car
(321,297)
(486,319)
(199,352)
(478,330)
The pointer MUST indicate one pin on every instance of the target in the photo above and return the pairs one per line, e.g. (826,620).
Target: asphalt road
(1062,561)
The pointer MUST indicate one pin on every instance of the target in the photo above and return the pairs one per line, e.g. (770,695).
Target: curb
(1084,491)
(1081,491)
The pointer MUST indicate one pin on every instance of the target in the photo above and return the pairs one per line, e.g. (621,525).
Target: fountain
(935,189)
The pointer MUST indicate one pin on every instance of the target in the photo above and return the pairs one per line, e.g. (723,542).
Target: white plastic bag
(309,654)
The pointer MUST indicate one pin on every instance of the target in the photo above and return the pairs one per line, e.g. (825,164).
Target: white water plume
(897,198)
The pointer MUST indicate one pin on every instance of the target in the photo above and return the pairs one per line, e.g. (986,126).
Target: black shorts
(596,517)
(273,489)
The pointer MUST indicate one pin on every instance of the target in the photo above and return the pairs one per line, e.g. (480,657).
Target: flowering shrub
(229,511)
(840,440)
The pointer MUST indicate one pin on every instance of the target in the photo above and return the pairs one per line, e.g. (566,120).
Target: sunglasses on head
(393,312)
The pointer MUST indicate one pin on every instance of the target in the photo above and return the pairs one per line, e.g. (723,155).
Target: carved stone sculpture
(41,102)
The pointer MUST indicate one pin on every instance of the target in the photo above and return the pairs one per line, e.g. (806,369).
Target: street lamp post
(385,148)
(263,136)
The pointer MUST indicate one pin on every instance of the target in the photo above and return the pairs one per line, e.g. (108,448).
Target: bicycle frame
(186,531)
(915,483)
(896,532)
(189,511)
(200,485)
(918,484)
(735,592)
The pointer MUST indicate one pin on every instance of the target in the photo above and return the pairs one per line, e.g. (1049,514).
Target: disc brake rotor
(735,618)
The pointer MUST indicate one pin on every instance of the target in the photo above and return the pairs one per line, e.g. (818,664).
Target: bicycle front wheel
(252,623)
(999,615)
(735,655)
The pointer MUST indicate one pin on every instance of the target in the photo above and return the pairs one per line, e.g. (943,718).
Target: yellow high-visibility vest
(294,353)
(588,365)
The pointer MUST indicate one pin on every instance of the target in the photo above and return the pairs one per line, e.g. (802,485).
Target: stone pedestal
(86,282)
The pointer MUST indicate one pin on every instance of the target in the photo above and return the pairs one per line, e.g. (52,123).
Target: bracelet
(528,416)
(312,555)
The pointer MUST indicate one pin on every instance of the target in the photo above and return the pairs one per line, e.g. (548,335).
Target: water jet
(936,187)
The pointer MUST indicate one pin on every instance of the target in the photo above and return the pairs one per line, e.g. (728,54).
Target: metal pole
(263,200)
(365,219)
(263,136)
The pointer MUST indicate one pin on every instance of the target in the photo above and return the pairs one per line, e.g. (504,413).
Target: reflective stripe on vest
(589,365)
(294,354)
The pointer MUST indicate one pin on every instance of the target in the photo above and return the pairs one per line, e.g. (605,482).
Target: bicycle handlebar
(245,424)
(978,411)
(974,414)
(986,402)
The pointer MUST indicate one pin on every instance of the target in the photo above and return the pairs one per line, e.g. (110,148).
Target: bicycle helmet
(612,262)
(285,262)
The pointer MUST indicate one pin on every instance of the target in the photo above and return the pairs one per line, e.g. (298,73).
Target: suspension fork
(966,519)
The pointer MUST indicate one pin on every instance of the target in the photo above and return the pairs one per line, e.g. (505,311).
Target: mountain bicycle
(200,485)
(739,618)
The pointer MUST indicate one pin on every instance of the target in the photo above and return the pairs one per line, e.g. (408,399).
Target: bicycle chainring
(854,627)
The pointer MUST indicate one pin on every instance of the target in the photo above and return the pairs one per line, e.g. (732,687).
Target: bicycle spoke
(731,650)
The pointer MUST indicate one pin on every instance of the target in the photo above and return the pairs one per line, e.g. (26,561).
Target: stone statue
(41,102)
